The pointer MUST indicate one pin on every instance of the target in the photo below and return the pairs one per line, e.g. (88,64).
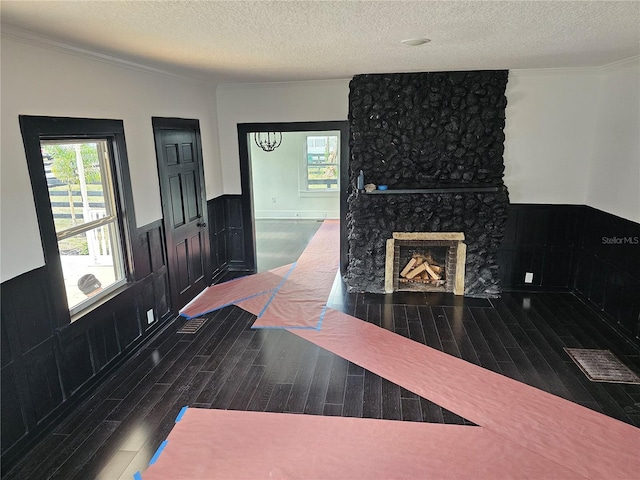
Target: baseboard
(296,215)
(609,321)
(238,269)
(218,273)
(535,289)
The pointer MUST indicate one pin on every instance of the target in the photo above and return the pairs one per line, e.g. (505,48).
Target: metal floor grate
(602,366)
(193,325)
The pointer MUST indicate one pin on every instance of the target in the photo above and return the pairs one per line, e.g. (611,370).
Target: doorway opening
(288,191)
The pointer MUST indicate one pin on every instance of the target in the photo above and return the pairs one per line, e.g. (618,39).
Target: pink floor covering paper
(523,432)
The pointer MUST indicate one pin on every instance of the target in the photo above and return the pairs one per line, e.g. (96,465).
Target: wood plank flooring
(228,365)
(279,242)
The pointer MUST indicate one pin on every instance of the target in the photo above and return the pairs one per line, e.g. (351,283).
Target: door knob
(201,224)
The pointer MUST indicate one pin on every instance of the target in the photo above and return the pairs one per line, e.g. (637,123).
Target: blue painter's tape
(137,476)
(226,305)
(324,310)
(252,296)
(154,459)
(183,410)
(299,327)
(277,288)
(283,327)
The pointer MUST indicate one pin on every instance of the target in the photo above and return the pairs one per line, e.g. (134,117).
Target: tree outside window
(322,163)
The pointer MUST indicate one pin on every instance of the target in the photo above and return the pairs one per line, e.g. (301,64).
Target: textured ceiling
(255,41)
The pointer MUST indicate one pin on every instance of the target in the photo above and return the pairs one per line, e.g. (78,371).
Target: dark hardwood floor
(227,365)
(280,242)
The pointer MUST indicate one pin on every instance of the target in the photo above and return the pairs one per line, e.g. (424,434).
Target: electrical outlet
(150,317)
(528,277)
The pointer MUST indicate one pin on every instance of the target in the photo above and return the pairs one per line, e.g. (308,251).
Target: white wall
(553,151)
(273,102)
(44,80)
(560,136)
(276,176)
(550,122)
(614,175)
(549,135)
(573,136)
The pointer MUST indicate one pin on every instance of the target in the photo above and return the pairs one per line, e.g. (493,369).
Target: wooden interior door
(184,207)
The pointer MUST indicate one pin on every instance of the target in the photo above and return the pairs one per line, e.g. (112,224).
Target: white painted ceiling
(258,41)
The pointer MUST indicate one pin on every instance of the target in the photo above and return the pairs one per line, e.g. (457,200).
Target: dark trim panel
(218,237)
(608,269)
(48,363)
(36,128)
(540,239)
(580,249)
(46,370)
(230,251)
(244,129)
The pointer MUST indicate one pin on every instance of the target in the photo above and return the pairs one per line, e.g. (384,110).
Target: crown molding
(624,63)
(30,38)
(538,72)
(289,83)
(596,70)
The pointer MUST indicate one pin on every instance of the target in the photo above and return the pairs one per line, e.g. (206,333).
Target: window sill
(103,299)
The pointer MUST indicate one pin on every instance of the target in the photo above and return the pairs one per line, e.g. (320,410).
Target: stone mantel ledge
(424,191)
(445,236)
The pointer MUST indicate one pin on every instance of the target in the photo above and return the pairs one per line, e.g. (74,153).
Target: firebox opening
(426,262)
(422,268)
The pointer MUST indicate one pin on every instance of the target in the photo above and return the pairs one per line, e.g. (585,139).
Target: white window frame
(109,221)
(305,191)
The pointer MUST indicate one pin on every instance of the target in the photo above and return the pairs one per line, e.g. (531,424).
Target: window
(79,175)
(81,193)
(322,163)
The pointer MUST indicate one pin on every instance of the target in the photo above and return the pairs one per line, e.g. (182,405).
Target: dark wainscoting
(47,371)
(608,268)
(217,237)
(540,239)
(567,248)
(231,236)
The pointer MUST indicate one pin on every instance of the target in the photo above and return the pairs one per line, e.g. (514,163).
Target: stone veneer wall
(426,130)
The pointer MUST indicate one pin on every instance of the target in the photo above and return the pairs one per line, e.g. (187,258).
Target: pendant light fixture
(268,141)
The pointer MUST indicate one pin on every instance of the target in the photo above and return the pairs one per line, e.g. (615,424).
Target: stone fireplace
(425,261)
(436,141)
